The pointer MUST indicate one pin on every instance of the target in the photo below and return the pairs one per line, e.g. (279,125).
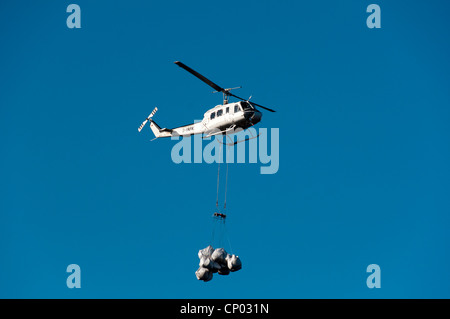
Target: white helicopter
(227,118)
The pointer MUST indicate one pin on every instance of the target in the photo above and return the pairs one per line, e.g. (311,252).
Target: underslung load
(216,261)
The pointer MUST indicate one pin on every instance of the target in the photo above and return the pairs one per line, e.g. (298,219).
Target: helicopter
(226,118)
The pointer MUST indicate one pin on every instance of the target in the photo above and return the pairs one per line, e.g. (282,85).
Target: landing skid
(234,143)
(231,128)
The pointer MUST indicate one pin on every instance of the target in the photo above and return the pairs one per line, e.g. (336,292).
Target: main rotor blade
(214,85)
(266,108)
(201,77)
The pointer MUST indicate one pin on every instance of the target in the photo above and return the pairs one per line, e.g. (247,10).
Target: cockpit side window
(246,105)
(213,115)
(236,108)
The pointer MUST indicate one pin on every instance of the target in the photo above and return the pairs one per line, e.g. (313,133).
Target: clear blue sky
(364,148)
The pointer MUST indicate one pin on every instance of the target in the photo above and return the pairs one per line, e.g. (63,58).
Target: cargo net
(216,261)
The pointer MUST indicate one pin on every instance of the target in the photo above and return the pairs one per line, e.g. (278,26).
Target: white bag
(234,263)
(219,255)
(206,252)
(203,274)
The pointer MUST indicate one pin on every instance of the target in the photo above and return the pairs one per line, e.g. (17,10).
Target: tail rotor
(147,119)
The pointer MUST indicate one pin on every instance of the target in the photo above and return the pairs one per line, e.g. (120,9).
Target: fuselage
(222,117)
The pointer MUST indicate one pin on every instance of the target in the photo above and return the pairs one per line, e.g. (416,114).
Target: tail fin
(159,132)
(147,119)
(155,128)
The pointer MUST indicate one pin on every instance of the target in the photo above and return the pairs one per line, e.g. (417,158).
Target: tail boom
(186,130)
